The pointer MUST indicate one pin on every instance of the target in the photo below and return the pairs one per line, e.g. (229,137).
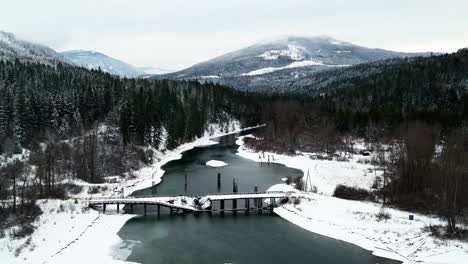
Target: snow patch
(209,77)
(296,64)
(216,163)
(293,52)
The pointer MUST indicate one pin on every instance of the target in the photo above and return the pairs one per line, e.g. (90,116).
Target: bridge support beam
(234,206)
(159,209)
(272,205)
(131,208)
(118,208)
(104,208)
(170,210)
(247,206)
(260,205)
(221,207)
(144,209)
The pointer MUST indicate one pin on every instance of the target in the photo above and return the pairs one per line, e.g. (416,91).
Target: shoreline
(77,234)
(355,221)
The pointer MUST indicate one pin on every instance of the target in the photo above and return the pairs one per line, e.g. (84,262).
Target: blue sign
(411,217)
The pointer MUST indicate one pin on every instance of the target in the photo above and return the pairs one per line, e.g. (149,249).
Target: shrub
(299,183)
(383,215)
(351,193)
(297,201)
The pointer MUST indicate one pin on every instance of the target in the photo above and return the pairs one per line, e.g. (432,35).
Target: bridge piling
(272,205)
(118,207)
(159,209)
(234,206)
(144,209)
(260,205)
(131,208)
(219,181)
(221,207)
(104,208)
(247,206)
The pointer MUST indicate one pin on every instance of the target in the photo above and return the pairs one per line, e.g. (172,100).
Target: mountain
(95,60)
(269,66)
(12,48)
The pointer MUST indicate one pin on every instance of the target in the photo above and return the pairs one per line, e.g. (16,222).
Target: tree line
(412,114)
(66,121)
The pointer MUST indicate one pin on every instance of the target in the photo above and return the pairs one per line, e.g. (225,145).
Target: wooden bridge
(198,203)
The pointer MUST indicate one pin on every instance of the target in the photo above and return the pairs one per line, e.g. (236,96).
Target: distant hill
(270,66)
(12,48)
(95,60)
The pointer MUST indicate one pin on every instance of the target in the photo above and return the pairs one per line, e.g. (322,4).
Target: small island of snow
(216,163)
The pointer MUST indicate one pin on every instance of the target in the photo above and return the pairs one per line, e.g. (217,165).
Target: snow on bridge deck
(188,202)
(217,197)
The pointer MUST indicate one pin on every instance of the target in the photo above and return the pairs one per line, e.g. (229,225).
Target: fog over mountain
(96,60)
(12,48)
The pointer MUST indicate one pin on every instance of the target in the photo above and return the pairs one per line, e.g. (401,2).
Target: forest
(64,122)
(411,114)
(69,122)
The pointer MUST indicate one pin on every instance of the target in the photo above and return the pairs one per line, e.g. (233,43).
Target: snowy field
(66,233)
(356,222)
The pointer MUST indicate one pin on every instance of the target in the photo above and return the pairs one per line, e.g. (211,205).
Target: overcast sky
(175,34)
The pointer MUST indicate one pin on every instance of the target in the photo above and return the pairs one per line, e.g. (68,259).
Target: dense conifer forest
(65,122)
(411,113)
(89,124)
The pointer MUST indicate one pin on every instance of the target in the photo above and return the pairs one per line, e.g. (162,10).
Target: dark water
(189,238)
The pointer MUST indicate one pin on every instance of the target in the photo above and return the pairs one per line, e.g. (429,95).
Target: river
(190,238)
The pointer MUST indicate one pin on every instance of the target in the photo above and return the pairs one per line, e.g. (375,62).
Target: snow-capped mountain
(282,60)
(95,60)
(12,48)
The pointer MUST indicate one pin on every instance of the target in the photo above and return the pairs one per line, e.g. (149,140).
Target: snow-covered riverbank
(66,232)
(69,232)
(354,221)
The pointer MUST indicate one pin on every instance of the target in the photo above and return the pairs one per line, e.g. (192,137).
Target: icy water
(190,238)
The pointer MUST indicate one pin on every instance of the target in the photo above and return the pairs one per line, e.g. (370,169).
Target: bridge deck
(186,202)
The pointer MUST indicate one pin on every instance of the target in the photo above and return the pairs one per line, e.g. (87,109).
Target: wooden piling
(260,205)
(221,207)
(247,206)
(234,185)
(144,209)
(104,208)
(118,207)
(131,208)
(159,209)
(219,181)
(272,205)
(186,183)
(234,206)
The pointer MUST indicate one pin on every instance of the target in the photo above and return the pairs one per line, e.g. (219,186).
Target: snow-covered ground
(354,221)
(68,232)
(296,64)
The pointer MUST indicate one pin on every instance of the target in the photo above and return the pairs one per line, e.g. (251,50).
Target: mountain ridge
(12,48)
(286,58)
(91,59)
